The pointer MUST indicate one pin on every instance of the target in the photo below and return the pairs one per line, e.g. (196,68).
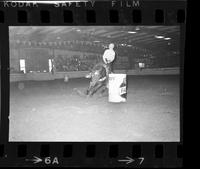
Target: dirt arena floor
(52,111)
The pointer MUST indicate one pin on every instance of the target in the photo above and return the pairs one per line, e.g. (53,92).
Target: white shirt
(109,54)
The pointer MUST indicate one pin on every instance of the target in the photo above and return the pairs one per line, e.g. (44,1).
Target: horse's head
(97,73)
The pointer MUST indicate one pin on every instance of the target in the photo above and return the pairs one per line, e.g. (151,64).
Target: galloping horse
(99,79)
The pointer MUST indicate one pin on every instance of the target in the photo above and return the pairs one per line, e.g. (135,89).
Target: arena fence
(79,74)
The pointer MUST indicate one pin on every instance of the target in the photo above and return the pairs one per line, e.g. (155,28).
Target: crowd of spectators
(75,63)
(85,62)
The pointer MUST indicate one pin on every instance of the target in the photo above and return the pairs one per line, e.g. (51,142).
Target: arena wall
(79,74)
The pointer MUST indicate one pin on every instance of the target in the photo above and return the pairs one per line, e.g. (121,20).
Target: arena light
(131,32)
(159,37)
(167,38)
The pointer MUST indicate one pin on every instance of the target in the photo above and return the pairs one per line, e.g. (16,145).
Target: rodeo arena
(94,83)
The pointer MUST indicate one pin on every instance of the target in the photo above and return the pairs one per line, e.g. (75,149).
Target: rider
(109,57)
(100,72)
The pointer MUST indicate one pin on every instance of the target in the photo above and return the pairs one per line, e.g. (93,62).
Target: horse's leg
(94,89)
(90,88)
(104,91)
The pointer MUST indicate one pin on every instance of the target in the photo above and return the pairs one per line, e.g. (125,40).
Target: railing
(80,74)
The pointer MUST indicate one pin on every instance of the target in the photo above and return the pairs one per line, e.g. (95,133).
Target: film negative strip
(55,57)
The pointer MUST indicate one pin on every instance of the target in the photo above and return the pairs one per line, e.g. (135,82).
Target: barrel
(117,88)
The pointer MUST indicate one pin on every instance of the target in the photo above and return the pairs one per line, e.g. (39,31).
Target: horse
(98,79)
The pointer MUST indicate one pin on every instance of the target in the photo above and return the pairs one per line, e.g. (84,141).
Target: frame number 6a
(51,161)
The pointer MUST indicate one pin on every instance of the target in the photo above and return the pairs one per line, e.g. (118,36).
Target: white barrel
(117,90)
